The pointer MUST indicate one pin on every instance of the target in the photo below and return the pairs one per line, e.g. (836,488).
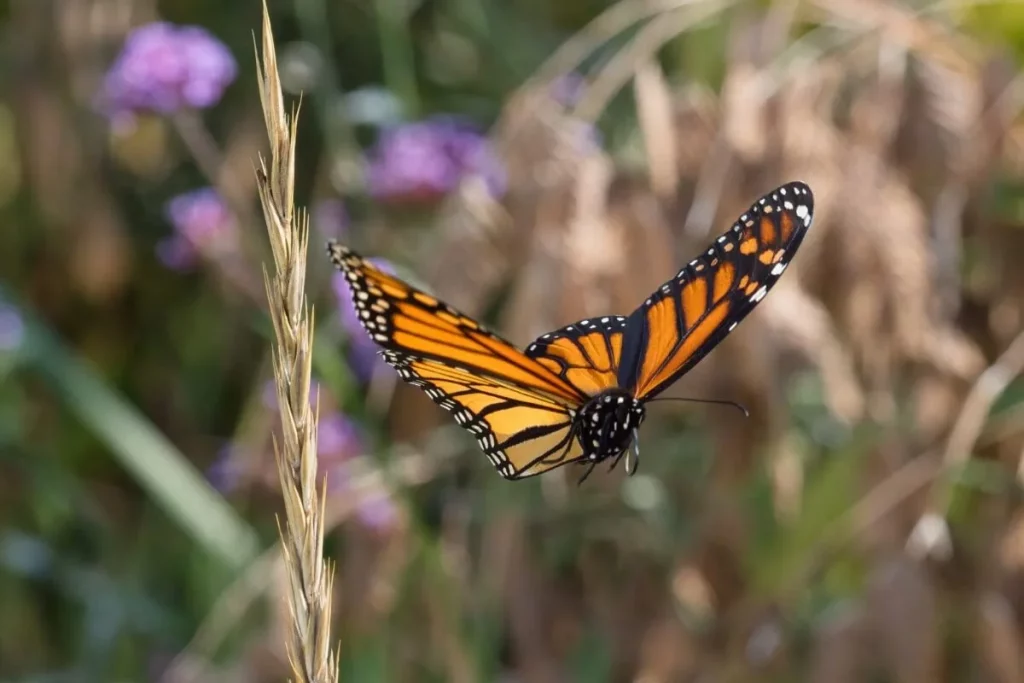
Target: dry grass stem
(620,69)
(234,602)
(931,535)
(310,578)
(654,109)
(614,20)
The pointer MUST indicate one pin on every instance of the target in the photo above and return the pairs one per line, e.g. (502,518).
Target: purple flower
(331,218)
(203,226)
(568,88)
(363,358)
(339,443)
(585,137)
(164,68)
(12,327)
(225,472)
(377,509)
(338,439)
(340,452)
(421,162)
(378,512)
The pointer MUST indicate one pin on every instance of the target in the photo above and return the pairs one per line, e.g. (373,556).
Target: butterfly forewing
(413,324)
(520,411)
(691,313)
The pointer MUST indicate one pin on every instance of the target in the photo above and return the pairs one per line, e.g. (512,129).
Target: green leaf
(160,468)
(828,495)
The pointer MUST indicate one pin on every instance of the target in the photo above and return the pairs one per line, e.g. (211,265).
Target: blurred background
(534,163)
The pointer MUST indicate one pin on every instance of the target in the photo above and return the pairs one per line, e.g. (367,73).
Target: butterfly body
(577,394)
(606,423)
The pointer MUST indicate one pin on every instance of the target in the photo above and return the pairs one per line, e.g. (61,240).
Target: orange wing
(585,354)
(520,410)
(521,432)
(414,325)
(691,313)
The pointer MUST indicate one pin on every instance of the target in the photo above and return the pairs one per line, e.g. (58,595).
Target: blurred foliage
(808,542)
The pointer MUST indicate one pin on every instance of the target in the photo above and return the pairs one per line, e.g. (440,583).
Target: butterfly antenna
(732,404)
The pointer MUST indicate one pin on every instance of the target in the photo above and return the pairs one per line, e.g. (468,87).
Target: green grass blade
(160,468)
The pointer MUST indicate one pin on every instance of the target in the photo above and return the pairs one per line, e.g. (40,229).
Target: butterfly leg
(616,461)
(586,474)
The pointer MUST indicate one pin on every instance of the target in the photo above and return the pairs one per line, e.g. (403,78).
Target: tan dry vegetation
(901,126)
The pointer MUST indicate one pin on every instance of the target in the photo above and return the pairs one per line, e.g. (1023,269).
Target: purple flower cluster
(338,439)
(378,512)
(568,88)
(203,226)
(363,356)
(331,219)
(163,68)
(418,163)
(225,472)
(340,444)
(12,327)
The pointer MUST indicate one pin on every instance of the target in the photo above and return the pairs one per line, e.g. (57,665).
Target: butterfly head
(606,423)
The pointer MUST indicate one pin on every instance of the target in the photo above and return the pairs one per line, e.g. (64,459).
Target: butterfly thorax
(606,422)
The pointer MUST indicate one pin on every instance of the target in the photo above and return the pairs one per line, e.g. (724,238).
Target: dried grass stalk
(310,579)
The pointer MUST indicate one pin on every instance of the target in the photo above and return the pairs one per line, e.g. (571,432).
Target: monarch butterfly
(577,394)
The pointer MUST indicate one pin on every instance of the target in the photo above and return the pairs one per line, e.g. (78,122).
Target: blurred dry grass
(901,126)
(784,553)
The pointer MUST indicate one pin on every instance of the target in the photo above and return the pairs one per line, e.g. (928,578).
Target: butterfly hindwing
(691,313)
(586,354)
(521,432)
